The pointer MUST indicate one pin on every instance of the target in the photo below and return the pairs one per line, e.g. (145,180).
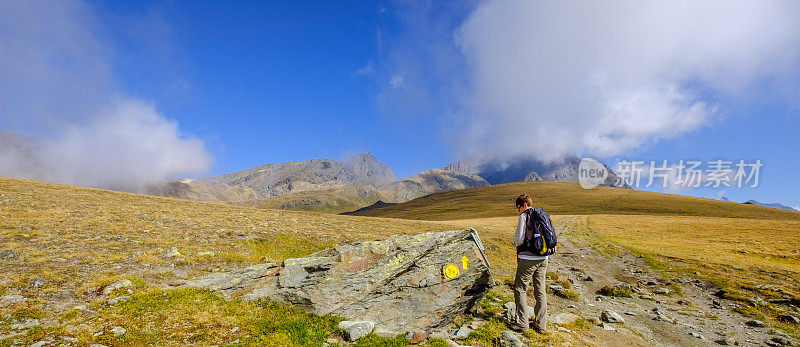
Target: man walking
(529,266)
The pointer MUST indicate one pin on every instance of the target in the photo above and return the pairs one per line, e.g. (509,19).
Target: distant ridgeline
(332,186)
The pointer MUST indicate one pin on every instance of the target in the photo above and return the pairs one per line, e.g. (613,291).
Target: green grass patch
(375,340)
(487,334)
(614,291)
(195,316)
(282,246)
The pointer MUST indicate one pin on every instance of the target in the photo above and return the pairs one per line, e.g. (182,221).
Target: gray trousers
(527,270)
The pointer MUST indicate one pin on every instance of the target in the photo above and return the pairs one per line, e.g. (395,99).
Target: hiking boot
(517,328)
(536,328)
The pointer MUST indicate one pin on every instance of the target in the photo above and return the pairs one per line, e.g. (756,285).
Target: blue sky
(421,84)
(268,82)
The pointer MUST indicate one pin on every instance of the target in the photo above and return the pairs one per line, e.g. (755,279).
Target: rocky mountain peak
(365,165)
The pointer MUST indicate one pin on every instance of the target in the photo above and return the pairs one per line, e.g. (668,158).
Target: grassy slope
(67,242)
(80,239)
(739,247)
(568,198)
(331,200)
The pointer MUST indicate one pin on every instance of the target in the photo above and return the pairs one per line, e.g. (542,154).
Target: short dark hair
(523,199)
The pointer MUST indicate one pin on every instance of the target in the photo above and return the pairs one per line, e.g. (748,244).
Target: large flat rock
(403,283)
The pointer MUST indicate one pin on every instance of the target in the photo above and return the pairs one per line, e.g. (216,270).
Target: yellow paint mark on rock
(451,271)
(464,262)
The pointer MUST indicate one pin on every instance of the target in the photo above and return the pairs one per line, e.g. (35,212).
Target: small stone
(610,316)
(117,285)
(417,337)
(630,314)
(39,282)
(662,291)
(564,330)
(117,300)
(354,330)
(439,334)
(509,339)
(788,319)
(646,297)
(697,335)
(173,252)
(30,323)
(782,341)
(118,331)
(11,299)
(176,283)
(608,327)
(564,318)
(69,339)
(461,333)
(332,341)
(756,323)
(726,341)
(234,330)
(42,343)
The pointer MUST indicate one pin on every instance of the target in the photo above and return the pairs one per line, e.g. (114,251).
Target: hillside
(330,200)
(277,179)
(568,198)
(428,182)
(62,246)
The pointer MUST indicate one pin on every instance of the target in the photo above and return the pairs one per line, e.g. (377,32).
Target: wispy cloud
(59,87)
(596,78)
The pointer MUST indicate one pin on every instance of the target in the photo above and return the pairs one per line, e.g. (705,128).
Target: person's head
(524,202)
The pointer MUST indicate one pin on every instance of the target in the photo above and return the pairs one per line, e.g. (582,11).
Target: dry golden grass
(71,241)
(568,198)
(331,200)
(771,245)
(753,261)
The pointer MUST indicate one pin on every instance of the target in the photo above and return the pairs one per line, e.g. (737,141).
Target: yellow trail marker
(464,262)
(451,271)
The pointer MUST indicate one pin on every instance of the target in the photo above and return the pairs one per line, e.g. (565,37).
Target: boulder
(564,318)
(403,283)
(356,330)
(117,285)
(509,339)
(118,331)
(610,316)
(461,333)
(726,341)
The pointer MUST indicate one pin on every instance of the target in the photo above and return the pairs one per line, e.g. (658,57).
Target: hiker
(529,266)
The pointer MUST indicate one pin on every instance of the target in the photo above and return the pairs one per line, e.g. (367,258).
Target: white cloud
(397,81)
(58,85)
(603,78)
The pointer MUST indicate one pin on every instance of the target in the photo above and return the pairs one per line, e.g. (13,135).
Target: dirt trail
(692,318)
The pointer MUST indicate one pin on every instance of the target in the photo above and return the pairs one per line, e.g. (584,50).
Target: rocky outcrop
(429,182)
(403,283)
(294,176)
